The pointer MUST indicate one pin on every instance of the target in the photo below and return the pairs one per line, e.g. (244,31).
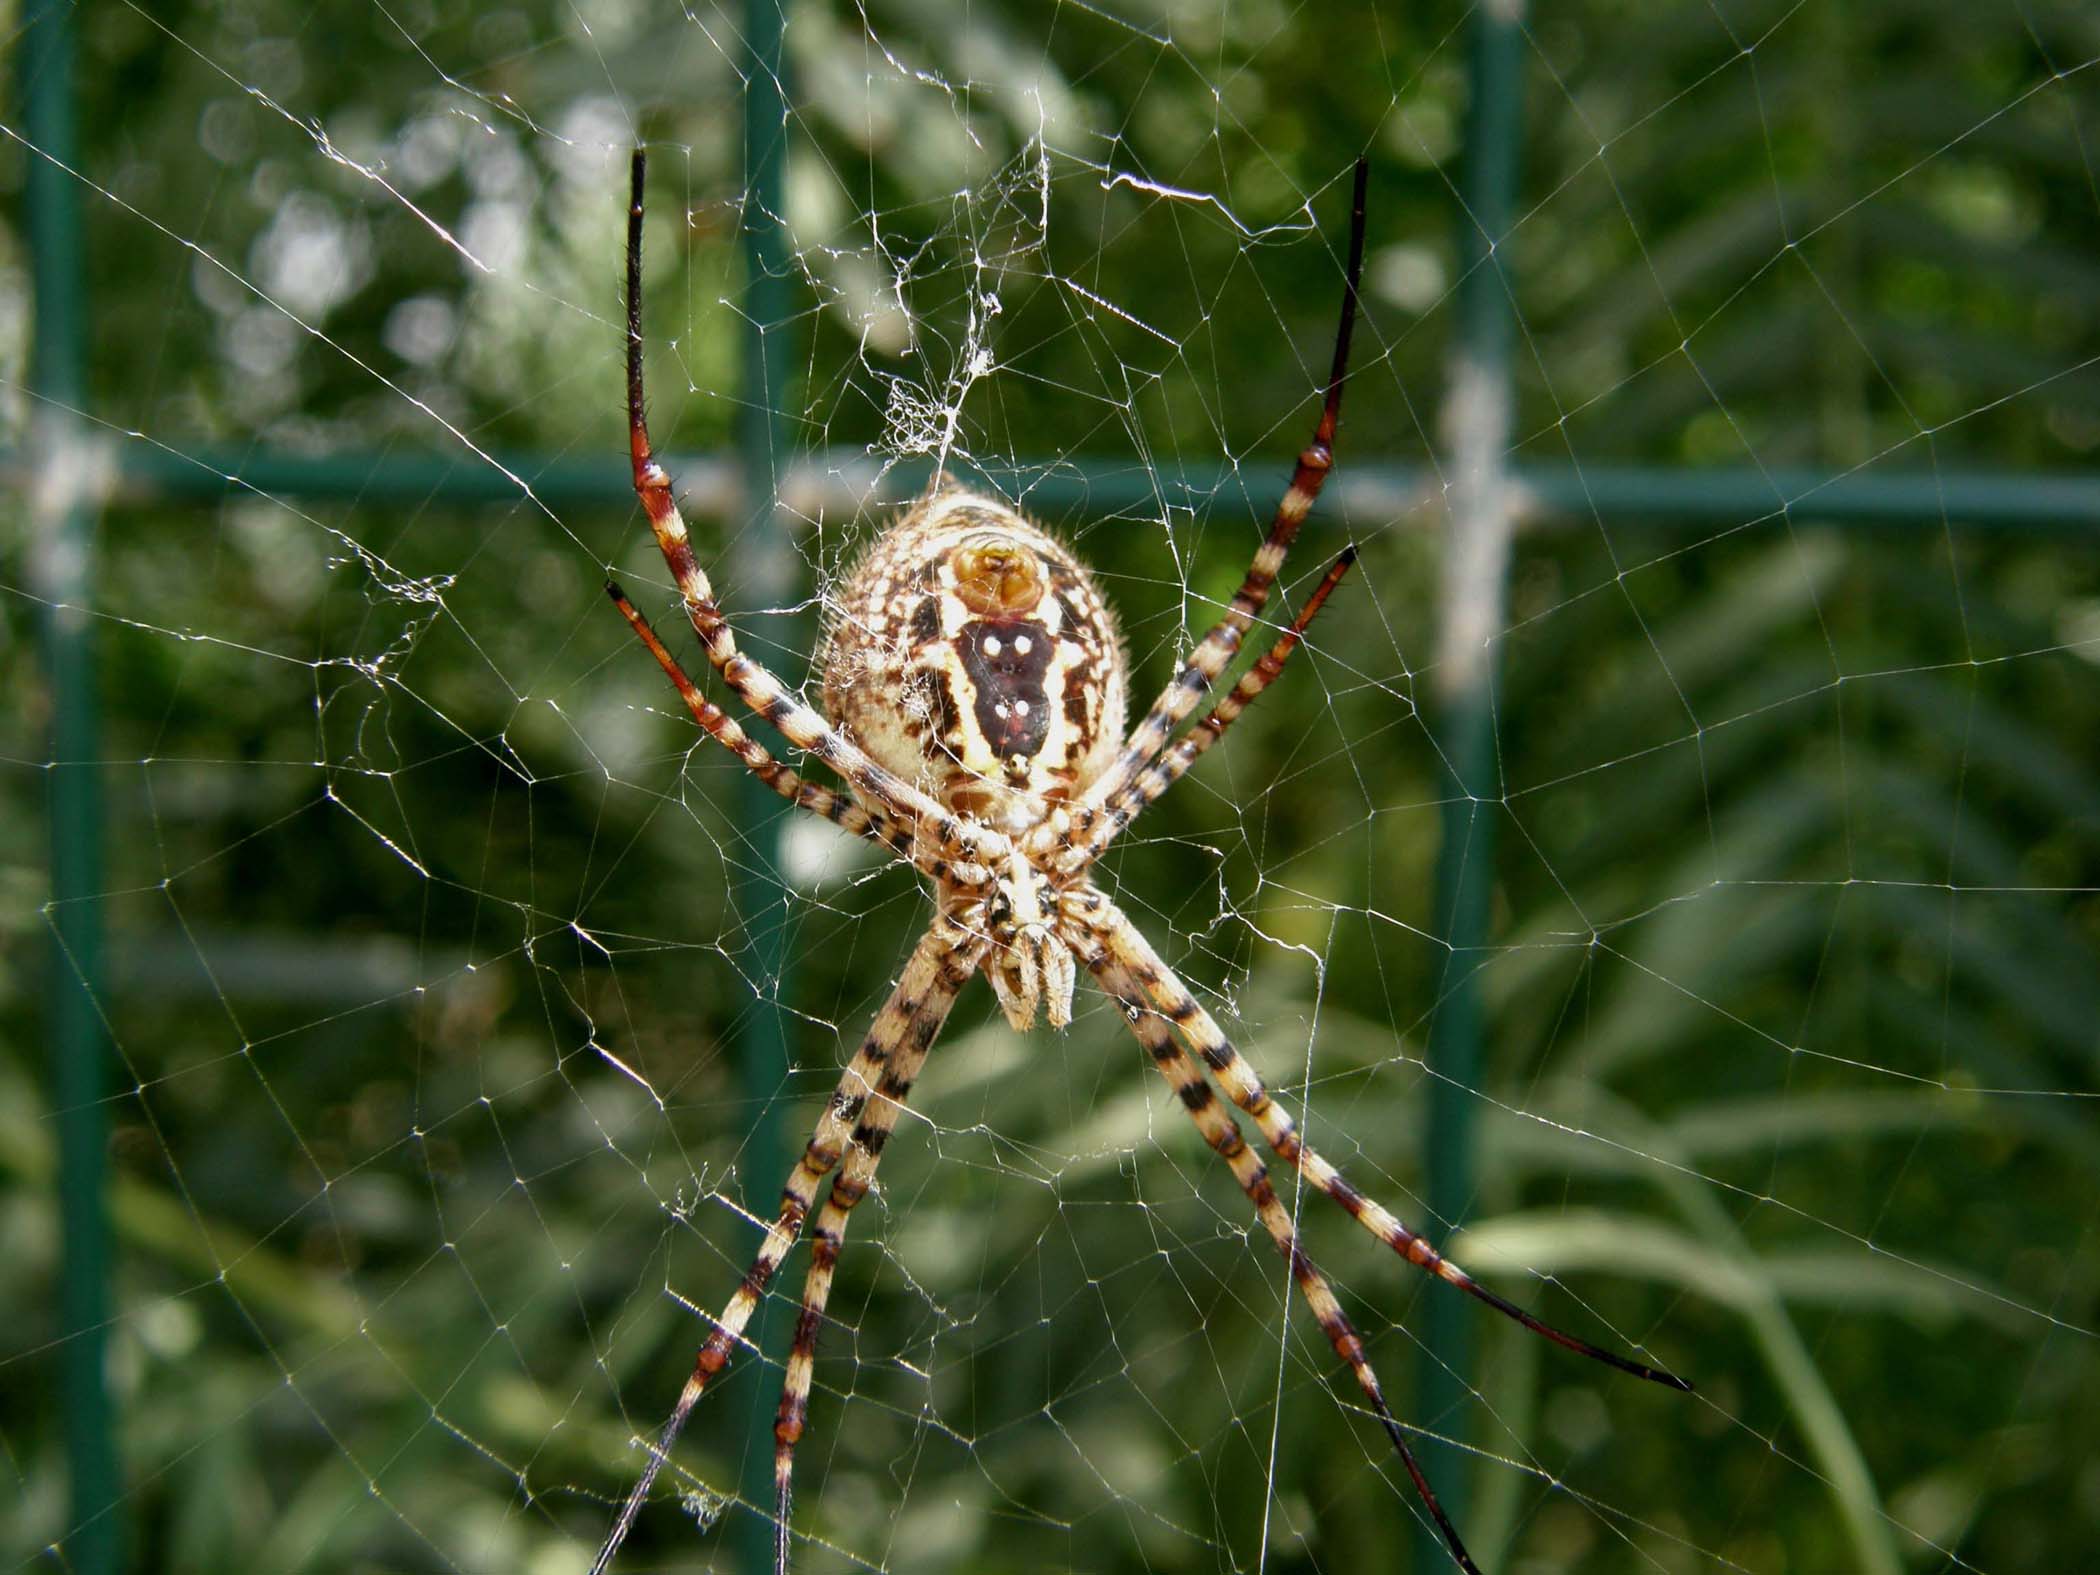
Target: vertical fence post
(62,531)
(766,576)
(1476,571)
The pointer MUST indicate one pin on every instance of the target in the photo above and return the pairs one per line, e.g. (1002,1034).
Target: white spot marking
(1020,708)
(1021,645)
(991,645)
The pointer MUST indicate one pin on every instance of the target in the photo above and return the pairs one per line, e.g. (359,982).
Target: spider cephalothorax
(974,684)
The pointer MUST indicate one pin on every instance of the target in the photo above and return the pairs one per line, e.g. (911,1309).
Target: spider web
(440,942)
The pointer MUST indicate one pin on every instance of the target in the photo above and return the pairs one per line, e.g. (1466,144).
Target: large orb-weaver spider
(975,687)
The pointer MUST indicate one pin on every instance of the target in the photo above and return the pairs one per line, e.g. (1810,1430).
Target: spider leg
(1126,944)
(841,811)
(1222,1133)
(1216,650)
(921,993)
(878,1119)
(1148,786)
(801,724)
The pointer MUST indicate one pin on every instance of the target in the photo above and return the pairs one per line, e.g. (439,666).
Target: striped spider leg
(758,688)
(1150,783)
(1222,1133)
(858,1120)
(974,693)
(849,815)
(1159,1006)
(1108,805)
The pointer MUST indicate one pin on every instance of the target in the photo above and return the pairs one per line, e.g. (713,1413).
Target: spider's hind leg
(756,685)
(1151,784)
(1214,653)
(875,825)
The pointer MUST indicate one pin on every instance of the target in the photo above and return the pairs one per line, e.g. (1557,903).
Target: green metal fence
(74,468)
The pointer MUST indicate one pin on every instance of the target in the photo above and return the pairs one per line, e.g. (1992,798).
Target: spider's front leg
(1123,942)
(1222,1133)
(877,1119)
(863,1105)
(1162,1014)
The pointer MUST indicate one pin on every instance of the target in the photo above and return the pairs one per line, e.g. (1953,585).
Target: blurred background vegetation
(1797,906)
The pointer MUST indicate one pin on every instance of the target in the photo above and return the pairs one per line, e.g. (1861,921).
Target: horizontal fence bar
(2023,502)
(840,482)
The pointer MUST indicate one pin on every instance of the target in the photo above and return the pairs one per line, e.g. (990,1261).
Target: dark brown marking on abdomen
(926,621)
(1007,660)
(1078,680)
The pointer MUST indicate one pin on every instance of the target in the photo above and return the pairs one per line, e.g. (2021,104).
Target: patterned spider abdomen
(970,653)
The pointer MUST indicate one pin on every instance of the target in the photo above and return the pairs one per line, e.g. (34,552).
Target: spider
(974,683)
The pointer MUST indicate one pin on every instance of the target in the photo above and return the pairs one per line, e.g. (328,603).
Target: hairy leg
(1126,944)
(871,1133)
(1217,648)
(798,722)
(918,994)
(1147,787)
(1222,1133)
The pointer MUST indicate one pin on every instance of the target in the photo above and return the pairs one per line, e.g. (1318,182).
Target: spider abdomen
(971,654)
(1008,663)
